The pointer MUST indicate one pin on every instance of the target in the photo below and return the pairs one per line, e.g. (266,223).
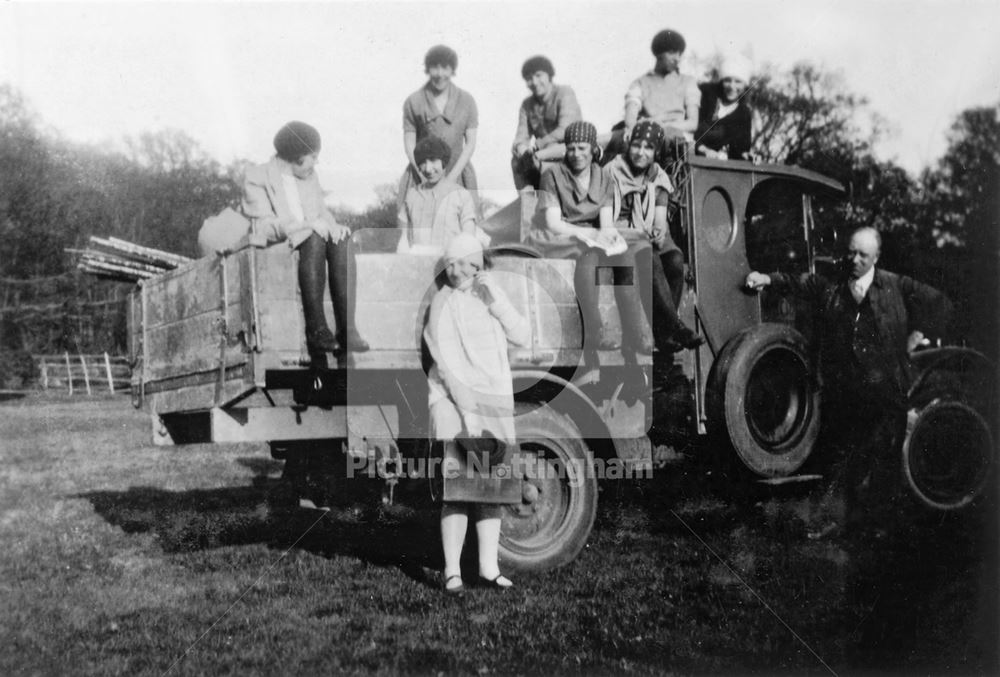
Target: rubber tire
(796,418)
(551,530)
(944,470)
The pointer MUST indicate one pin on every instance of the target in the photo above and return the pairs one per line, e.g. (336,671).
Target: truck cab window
(775,238)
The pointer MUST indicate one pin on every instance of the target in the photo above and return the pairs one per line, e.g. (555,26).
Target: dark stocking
(631,281)
(588,296)
(343,283)
(312,281)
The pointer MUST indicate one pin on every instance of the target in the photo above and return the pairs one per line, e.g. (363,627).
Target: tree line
(940,226)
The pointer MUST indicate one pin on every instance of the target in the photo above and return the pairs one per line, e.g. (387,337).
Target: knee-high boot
(312,282)
(343,277)
(671,333)
(672,264)
(665,321)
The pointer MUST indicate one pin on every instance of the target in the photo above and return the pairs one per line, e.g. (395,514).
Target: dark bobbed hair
(296,140)
(431,148)
(535,64)
(668,41)
(441,55)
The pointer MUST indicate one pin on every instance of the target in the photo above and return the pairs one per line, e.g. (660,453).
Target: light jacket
(468,342)
(265,204)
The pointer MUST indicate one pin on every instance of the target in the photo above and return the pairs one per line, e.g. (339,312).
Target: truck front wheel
(763,401)
(947,454)
(550,525)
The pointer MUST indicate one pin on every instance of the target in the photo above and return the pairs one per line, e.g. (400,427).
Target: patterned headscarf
(580,132)
(649,131)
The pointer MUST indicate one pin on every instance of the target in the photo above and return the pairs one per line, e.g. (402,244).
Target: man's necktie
(856,291)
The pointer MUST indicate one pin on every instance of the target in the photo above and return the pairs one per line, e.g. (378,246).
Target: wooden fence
(84,373)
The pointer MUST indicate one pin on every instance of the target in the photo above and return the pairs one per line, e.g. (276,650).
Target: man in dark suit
(868,321)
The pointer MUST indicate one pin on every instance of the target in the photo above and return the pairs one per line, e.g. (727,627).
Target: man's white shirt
(859,287)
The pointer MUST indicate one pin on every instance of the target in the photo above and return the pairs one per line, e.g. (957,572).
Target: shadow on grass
(10,395)
(929,590)
(913,591)
(692,496)
(265,513)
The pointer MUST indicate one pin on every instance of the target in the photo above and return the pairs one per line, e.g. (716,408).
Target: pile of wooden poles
(116,259)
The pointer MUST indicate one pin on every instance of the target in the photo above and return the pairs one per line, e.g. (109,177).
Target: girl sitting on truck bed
(642,190)
(284,201)
(574,221)
(437,209)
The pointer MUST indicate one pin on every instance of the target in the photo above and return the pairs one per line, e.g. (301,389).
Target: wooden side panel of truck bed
(209,332)
(187,314)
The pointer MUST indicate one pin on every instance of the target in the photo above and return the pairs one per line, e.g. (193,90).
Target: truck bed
(214,331)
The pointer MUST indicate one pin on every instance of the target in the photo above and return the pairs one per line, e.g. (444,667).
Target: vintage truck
(219,355)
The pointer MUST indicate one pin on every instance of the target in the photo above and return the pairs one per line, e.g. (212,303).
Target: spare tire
(763,400)
(948,454)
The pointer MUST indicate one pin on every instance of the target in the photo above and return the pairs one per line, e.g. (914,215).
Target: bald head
(863,250)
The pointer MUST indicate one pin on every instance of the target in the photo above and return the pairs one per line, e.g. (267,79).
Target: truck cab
(756,389)
(753,384)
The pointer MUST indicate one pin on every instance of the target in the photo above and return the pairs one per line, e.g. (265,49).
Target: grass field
(119,557)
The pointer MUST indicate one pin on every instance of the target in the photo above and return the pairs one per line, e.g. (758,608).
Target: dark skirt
(553,246)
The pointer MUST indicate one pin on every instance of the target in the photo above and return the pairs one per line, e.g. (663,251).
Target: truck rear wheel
(763,401)
(550,525)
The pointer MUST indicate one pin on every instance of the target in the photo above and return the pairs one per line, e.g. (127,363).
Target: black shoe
(669,347)
(354,342)
(321,341)
(686,338)
(499,582)
(456,591)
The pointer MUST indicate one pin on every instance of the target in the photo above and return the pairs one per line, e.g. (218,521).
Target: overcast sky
(230,74)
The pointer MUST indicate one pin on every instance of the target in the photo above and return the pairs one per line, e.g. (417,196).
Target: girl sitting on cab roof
(725,119)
